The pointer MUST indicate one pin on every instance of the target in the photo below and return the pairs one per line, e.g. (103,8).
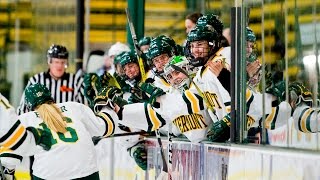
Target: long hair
(52,117)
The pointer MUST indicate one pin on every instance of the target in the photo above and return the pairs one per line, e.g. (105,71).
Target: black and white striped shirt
(68,88)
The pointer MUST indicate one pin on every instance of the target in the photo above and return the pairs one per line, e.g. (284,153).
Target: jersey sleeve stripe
(304,120)
(249,99)
(147,117)
(21,140)
(249,95)
(157,120)
(15,138)
(109,123)
(300,119)
(10,132)
(308,123)
(273,123)
(15,156)
(188,103)
(192,101)
(200,100)
(270,118)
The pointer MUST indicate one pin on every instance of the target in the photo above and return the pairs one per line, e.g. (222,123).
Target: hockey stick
(136,46)
(165,166)
(126,134)
(170,150)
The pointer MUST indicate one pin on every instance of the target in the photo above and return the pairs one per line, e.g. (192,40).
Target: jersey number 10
(73,134)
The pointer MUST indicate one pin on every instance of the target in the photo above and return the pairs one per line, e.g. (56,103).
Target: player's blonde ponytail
(52,117)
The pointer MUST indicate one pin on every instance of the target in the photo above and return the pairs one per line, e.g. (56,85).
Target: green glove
(220,130)
(42,137)
(107,93)
(139,154)
(122,82)
(137,95)
(91,87)
(153,91)
(106,79)
(119,101)
(278,90)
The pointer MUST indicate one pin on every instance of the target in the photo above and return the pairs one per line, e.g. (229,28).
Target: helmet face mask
(200,44)
(177,79)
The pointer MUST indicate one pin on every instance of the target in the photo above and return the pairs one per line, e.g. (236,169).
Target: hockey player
(16,139)
(158,55)
(71,126)
(144,44)
(109,56)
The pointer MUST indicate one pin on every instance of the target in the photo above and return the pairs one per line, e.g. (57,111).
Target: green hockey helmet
(128,57)
(117,58)
(212,20)
(158,47)
(250,35)
(144,41)
(200,33)
(36,95)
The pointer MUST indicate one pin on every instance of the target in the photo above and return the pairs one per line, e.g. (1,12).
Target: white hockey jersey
(75,147)
(217,96)
(185,111)
(279,116)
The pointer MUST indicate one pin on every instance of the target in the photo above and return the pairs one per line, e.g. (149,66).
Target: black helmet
(58,51)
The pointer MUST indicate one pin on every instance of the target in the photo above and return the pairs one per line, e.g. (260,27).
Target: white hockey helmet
(118,48)
(181,64)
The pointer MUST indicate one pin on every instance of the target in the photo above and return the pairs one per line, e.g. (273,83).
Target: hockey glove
(278,90)
(139,154)
(42,137)
(220,130)
(91,87)
(107,93)
(124,86)
(106,79)
(153,91)
(137,95)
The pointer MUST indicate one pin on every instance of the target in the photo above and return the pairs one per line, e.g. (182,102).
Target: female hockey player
(71,126)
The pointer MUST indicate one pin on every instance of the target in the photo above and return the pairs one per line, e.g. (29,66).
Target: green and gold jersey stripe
(15,136)
(192,102)
(304,118)
(110,126)
(154,120)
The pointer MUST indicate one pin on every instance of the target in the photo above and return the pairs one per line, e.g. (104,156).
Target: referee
(63,86)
